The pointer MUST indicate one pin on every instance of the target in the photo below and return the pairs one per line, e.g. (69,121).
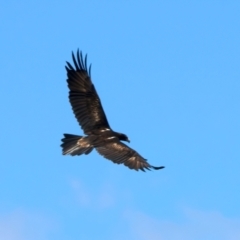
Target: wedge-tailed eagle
(89,112)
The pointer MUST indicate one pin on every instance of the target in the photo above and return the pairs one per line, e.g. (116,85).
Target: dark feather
(89,112)
(71,145)
(119,153)
(83,97)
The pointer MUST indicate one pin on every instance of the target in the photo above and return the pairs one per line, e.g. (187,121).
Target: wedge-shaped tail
(75,145)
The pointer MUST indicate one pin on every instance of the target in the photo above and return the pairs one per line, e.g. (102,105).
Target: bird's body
(89,112)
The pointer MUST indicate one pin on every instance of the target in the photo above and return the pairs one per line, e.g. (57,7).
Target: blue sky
(167,73)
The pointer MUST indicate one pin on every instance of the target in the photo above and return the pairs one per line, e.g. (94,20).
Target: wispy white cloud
(83,196)
(11,227)
(103,198)
(106,197)
(21,225)
(194,224)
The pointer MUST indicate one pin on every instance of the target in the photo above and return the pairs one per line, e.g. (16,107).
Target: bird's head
(123,137)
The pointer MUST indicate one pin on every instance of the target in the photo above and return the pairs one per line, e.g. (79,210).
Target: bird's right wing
(83,96)
(120,153)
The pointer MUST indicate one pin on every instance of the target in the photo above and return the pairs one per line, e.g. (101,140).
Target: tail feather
(75,145)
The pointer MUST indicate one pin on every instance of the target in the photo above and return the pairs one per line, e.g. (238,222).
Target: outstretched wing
(83,97)
(119,153)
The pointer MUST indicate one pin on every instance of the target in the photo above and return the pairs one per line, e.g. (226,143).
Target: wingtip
(149,168)
(158,168)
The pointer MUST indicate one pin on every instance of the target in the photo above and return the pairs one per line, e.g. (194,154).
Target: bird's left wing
(120,153)
(83,96)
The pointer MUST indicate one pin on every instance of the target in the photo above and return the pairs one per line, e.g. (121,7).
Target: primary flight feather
(90,115)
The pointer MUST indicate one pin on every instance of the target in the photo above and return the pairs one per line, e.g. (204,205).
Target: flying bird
(88,110)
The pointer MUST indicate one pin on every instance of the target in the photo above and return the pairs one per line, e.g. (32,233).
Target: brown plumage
(90,115)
